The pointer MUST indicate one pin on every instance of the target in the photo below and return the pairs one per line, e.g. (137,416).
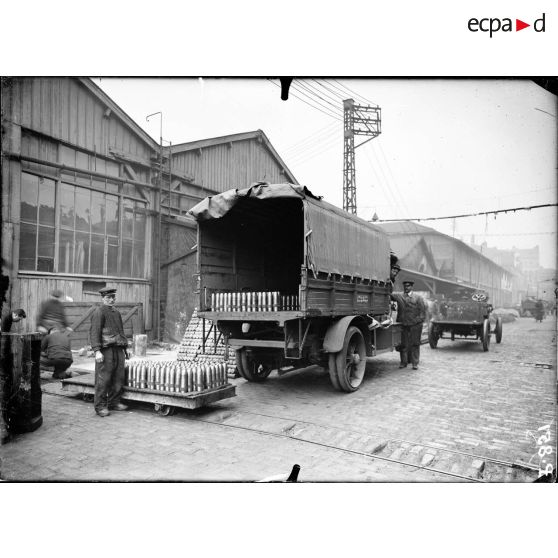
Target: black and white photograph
(278,279)
(318,279)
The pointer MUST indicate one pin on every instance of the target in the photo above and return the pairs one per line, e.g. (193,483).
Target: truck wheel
(433,336)
(332,369)
(498,330)
(486,335)
(350,361)
(251,368)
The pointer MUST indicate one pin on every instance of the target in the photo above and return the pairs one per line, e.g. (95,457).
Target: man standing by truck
(411,312)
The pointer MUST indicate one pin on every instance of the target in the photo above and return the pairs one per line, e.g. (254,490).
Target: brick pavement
(461,398)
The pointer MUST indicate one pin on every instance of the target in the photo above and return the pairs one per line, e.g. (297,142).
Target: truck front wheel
(348,365)
(251,366)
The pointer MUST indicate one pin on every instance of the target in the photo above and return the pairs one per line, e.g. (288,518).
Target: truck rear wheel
(251,366)
(349,362)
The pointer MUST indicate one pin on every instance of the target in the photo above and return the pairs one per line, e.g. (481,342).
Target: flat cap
(396,266)
(107,290)
(57,293)
(408,282)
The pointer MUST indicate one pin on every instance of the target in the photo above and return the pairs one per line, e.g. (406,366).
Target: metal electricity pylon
(362,121)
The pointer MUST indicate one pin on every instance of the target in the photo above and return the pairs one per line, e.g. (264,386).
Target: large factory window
(37,208)
(90,240)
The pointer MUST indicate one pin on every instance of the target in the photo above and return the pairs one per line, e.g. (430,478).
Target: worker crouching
(110,346)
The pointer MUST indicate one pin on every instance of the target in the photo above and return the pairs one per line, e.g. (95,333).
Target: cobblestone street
(461,407)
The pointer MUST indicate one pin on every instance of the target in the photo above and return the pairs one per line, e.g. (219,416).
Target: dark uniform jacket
(106,328)
(411,309)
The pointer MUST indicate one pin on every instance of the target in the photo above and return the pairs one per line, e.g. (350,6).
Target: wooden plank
(75,325)
(130,314)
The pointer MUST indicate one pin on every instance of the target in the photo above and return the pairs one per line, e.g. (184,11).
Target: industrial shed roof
(258,135)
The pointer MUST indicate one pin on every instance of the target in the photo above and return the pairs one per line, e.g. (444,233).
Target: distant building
(440,263)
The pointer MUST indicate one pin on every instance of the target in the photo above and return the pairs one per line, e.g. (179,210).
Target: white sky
(447,147)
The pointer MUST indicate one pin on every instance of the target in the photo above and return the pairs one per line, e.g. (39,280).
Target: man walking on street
(411,312)
(109,344)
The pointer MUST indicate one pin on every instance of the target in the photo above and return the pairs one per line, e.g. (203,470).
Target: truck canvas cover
(336,241)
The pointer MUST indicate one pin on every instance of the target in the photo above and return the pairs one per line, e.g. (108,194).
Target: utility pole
(362,121)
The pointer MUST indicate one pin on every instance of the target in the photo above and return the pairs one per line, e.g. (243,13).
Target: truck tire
(332,369)
(433,336)
(486,335)
(498,330)
(252,368)
(350,361)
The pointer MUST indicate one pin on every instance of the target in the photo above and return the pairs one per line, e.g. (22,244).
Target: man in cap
(52,314)
(109,344)
(411,313)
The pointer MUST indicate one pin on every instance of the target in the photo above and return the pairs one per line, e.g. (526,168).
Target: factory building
(90,200)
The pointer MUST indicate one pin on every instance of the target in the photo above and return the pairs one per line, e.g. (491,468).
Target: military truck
(292,281)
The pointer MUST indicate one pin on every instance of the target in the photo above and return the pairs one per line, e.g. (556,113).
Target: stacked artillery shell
(175,376)
(259,301)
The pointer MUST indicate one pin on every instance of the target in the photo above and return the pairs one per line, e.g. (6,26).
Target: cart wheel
(433,336)
(88,397)
(350,361)
(164,410)
(251,368)
(486,335)
(498,330)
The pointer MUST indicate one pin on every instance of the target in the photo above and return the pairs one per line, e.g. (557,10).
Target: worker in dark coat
(56,351)
(411,312)
(110,346)
(13,316)
(52,314)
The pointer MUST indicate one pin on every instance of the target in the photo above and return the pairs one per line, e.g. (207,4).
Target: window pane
(128,219)
(84,179)
(100,165)
(27,241)
(97,213)
(98,182)
(112,215)
(113,168)
(83,204)
(112,256)
(97,254)
(139,259)
(126,269)
(82,160)
(67,206)
(81,255)
(113,187)
(46,201)
(66,252)
(139,227)
(67,156)
(29,195)
(46,242)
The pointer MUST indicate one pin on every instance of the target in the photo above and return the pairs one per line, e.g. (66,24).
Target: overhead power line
(309,104)
(512,210)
